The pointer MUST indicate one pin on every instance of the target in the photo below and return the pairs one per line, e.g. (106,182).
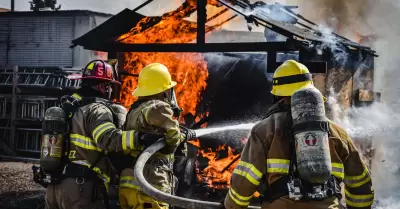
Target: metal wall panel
(41,41)
(3,40)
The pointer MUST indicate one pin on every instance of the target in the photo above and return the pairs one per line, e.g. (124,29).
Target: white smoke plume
(381,121)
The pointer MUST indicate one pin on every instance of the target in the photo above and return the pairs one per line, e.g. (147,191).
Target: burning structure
(216,83)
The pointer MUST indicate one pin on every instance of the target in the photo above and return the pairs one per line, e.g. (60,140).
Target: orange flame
(188,69)
(214,173)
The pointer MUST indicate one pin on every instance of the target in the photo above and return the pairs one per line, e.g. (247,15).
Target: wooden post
(13,108)
(201,21)
(271,61)
(12,5)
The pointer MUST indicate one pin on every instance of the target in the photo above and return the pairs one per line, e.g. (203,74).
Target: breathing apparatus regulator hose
(147,188)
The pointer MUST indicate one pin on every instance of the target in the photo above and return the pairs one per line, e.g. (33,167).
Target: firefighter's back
(272,134)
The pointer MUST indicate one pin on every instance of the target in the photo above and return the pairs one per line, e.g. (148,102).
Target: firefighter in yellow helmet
(83,178)
(152,113)
(274,151)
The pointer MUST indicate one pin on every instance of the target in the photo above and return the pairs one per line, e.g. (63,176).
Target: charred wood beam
(217,15)
(194,47)
(271,61)
(201,21)
(142,5)
(230,164)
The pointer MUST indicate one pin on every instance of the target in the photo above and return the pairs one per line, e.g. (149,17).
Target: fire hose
(147,188)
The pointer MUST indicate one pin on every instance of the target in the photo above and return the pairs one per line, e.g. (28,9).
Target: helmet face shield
(171,97)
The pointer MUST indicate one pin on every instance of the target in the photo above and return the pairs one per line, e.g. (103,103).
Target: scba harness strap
(308,191)
(70,104)
(291,185)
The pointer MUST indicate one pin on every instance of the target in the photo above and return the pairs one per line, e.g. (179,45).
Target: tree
(36,5)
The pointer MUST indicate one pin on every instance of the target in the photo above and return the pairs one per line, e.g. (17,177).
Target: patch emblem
(100,71)
(45,151)
(109,72)
(53,139)
(310,139)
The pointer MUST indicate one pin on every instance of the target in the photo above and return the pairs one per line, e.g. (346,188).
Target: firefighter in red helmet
(83,178)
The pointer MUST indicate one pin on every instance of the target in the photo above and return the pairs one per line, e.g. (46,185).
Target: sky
(107,6)
(155,8)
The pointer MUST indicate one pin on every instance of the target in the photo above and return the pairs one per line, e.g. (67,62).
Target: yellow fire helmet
(290,77)
(153,79)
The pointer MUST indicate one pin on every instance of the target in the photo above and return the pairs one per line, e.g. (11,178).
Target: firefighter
(269,156)
(153,114)
(92,133)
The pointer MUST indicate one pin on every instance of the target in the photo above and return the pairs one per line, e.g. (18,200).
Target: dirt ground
(17,188)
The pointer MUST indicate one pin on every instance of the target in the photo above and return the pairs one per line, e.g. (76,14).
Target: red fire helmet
(100,70)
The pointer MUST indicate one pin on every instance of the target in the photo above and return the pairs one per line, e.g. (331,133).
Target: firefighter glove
(147,139)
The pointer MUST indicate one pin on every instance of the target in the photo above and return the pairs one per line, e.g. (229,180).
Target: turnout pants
(133,199)
(286,203)
(73,193)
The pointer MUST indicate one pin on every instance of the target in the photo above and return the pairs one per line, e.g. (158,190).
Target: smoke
(380,122)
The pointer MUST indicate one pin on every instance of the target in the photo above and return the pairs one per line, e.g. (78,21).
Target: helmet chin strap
(105,89)
(108,91)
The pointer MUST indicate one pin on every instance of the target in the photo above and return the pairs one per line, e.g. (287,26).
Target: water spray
(206,131)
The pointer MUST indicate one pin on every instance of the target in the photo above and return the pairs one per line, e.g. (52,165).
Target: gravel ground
(18,190)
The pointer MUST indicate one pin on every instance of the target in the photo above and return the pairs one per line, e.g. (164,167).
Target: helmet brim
(80,77)
(288,92)
(143,91)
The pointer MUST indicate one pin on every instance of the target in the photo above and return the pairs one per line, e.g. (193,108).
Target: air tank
(310,129)
(121,112)
(54,129)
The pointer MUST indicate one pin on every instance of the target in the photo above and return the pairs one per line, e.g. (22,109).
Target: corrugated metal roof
(54,13)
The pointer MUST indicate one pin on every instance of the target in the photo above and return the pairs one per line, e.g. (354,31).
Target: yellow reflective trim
(337,165)
(84,142)
(354,196)
(338,174)
(247,176)
(146,114)
(278,170)
(127,178)
(240,196)
(236,200)
(357,177)
(252,168)
(278,166)
(132,135)
(77,97)
(124,141)
(278,161)
(128,185)
(99,130)
(338,170)
(359,205)
(130,182)
(359,183)
(362,200)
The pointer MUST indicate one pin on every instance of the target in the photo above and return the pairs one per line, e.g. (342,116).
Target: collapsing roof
(300,32)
